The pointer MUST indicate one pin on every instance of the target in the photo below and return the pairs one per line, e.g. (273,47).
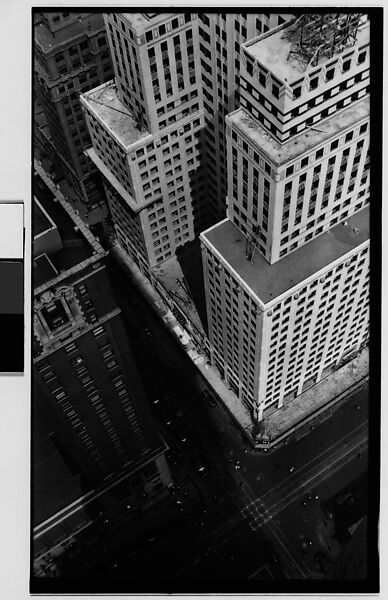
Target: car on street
(346,498)
(202,470)
(209,398)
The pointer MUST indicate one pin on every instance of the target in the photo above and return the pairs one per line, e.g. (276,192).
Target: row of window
(311,80)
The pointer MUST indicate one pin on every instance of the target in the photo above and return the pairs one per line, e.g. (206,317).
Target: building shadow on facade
(190,261)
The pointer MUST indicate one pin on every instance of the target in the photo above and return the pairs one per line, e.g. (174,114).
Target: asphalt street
(264,492)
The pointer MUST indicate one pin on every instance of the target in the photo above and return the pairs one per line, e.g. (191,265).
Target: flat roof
(106,105)
(41,222)
(182,275)
(272,51)
(47,41)
(75,251)
(144,19)
(310,138)
(270,281)
(44,270)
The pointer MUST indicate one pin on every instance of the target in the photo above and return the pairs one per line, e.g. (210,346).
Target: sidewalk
(327,392)
(282,422)
(238,412)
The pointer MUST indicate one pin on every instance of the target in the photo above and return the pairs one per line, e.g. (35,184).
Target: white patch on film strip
(11,230)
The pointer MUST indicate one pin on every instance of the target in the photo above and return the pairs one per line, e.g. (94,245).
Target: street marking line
(250,511)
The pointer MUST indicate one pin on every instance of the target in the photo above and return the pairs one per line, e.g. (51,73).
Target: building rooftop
(41,221)
(144,19)
(44,270)
(270,281)
(104,102)
(86,23)
(312,137)
(181,275)
(272,51)
(78,244)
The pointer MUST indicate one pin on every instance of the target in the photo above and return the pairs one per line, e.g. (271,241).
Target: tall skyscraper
(86,384)
(158,130)
(286,274)
(220,38)
(146,134)
(71,56)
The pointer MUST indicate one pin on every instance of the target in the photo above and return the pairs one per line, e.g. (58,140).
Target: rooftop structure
(277,51)
(314,37)
(268,282)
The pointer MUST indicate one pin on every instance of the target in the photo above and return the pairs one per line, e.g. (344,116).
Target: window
(334,145)
(346,65)
(55,315)
(304,162)
(289,170)
(297,92)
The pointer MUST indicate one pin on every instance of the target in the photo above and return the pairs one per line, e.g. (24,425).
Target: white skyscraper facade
(286,274)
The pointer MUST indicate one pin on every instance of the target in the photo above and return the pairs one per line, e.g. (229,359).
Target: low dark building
(86,388)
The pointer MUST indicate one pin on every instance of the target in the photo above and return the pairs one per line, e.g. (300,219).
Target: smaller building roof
(44,270)
(105,104)
(85,24)
(310,138)
(270,281)
(42,222)
(78,244)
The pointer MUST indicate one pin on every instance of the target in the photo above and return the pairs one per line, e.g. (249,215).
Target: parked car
(346,498)
(209,398)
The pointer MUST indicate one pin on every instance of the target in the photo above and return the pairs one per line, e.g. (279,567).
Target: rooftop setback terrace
(104,103)
(273,51)
(267,281)
(310,138)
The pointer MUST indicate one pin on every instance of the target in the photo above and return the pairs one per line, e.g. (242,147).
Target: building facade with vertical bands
(71,55)
(221,36)
(291,262)
(86,384)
